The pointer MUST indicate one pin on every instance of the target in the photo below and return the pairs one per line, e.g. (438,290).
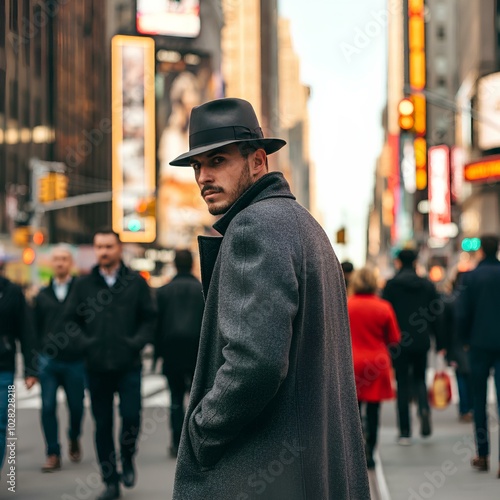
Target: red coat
(373,327)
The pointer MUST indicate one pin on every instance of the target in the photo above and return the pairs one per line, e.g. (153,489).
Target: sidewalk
(436,467)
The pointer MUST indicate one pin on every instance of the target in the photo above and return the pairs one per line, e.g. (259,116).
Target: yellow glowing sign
(133,136)
(420,113)
(416,44)
(484,170)
(420,146)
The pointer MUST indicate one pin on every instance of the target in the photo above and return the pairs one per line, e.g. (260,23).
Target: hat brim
(269,144)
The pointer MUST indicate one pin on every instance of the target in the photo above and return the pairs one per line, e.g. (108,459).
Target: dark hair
(347,266)
(106,230)
(489,244)
(407,257)
(183,261)
(247,148)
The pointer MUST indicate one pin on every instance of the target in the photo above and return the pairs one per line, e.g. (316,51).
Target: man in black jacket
(478,317)
(180,311)
(16,324)
(115,313)
(419,312)
(60,364)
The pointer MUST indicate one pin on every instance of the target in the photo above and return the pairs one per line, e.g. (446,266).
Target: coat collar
(272,185)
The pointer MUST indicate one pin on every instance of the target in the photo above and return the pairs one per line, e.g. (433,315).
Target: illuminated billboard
(133,137)
(179,18)
(184,80)
(483,170)
(439,195)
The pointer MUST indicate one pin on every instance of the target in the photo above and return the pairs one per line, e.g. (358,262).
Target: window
(13,18)
(2,24)
(26,31)
(441,32)
(13,99)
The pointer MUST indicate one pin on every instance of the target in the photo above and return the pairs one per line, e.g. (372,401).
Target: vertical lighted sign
(417,77)
(133,136)
(439,195)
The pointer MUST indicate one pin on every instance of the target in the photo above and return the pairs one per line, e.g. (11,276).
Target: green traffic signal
(471,244)
(134,225)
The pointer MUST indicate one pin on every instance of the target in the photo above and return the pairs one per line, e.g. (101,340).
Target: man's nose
(205,175)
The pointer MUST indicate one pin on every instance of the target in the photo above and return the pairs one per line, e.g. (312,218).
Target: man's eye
(195,166)
(218,159)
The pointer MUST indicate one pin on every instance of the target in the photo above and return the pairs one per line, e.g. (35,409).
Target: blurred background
(390,109)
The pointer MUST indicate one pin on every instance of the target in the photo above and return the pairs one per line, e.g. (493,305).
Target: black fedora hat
(221,122)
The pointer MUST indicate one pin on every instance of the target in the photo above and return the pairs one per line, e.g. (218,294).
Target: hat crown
(228,112)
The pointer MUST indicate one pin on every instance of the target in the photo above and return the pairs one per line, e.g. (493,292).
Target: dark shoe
(52,464)
(75,452)
(128,473)
(480,464)
(425,429)
(498,475)
(466,418)
(111,492)
(172,451)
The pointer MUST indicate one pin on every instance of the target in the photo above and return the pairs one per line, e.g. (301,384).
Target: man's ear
(259,162)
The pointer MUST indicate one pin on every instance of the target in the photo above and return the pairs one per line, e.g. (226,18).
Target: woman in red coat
(373,328)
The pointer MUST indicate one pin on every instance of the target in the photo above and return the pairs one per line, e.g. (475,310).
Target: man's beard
(244,182)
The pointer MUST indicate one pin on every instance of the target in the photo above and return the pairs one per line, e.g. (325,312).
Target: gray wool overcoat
(273,412)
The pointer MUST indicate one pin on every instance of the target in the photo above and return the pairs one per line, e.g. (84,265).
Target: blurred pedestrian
(59,361)
(478,320)
(418,310)
(456,355)
(373,328)
(116,315)
(347,269)
(180,311)
(273,411)
(16,324)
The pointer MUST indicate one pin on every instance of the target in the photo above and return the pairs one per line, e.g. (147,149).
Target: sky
(342,45)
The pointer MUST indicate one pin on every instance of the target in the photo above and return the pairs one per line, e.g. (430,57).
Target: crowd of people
(88,333)
(394,327)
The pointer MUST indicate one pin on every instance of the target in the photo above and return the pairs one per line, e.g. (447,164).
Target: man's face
(108,250)
(61,263)
(222,175)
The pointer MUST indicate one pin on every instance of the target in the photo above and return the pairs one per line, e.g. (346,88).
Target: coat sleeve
(464,310)
(392,328)
(27,336)
(258,301)
(146,317)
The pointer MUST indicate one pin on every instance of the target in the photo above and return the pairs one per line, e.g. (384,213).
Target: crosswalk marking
(153,388)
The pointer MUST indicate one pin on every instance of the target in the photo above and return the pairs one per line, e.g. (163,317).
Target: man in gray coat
(273,412)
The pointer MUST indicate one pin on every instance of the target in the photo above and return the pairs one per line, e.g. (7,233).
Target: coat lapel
(209,251)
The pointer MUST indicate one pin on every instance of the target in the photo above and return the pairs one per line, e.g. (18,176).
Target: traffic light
(406,110)
(471,244)
(146,207)
(341,236)
(38,237)
(45,191)
(60,186)
(28,256)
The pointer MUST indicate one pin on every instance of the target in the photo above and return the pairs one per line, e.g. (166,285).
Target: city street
(155,470)
(436,467)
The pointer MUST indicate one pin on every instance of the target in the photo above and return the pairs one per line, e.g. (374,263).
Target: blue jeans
(482,361)
(464,383)
(103,387)
(71,376)
(6,379)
